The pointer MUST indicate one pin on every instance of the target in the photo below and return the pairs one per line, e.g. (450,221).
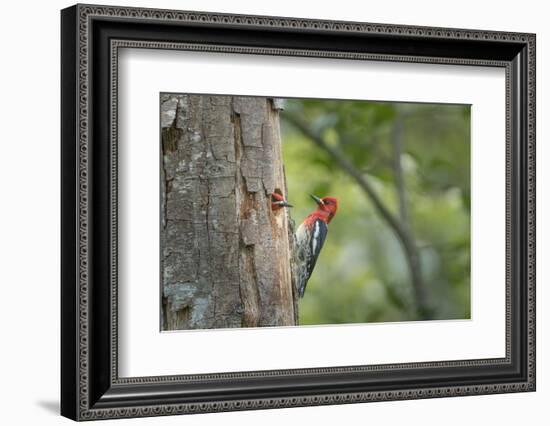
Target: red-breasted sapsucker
(278,202)
(310,237)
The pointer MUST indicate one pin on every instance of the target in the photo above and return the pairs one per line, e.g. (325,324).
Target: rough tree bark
(224,252)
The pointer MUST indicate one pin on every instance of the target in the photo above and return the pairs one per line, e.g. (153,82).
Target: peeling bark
(225,256)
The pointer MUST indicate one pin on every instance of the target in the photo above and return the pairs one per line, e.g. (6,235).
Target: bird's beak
(283,204)
(317,200)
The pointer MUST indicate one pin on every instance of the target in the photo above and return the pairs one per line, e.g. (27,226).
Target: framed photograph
(263,212)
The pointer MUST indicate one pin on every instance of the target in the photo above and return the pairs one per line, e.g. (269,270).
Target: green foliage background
(362,273)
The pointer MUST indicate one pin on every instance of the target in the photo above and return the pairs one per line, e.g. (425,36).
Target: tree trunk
(225,255)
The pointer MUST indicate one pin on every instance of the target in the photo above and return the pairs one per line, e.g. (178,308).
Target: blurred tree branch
(402,232)
(413,255)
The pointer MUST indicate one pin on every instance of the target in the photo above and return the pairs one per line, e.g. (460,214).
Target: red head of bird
(326,208)
(278,202)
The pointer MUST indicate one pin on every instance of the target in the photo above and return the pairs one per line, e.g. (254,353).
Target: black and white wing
(310,252)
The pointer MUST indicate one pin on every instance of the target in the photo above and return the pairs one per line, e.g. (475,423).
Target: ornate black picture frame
(91,37)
